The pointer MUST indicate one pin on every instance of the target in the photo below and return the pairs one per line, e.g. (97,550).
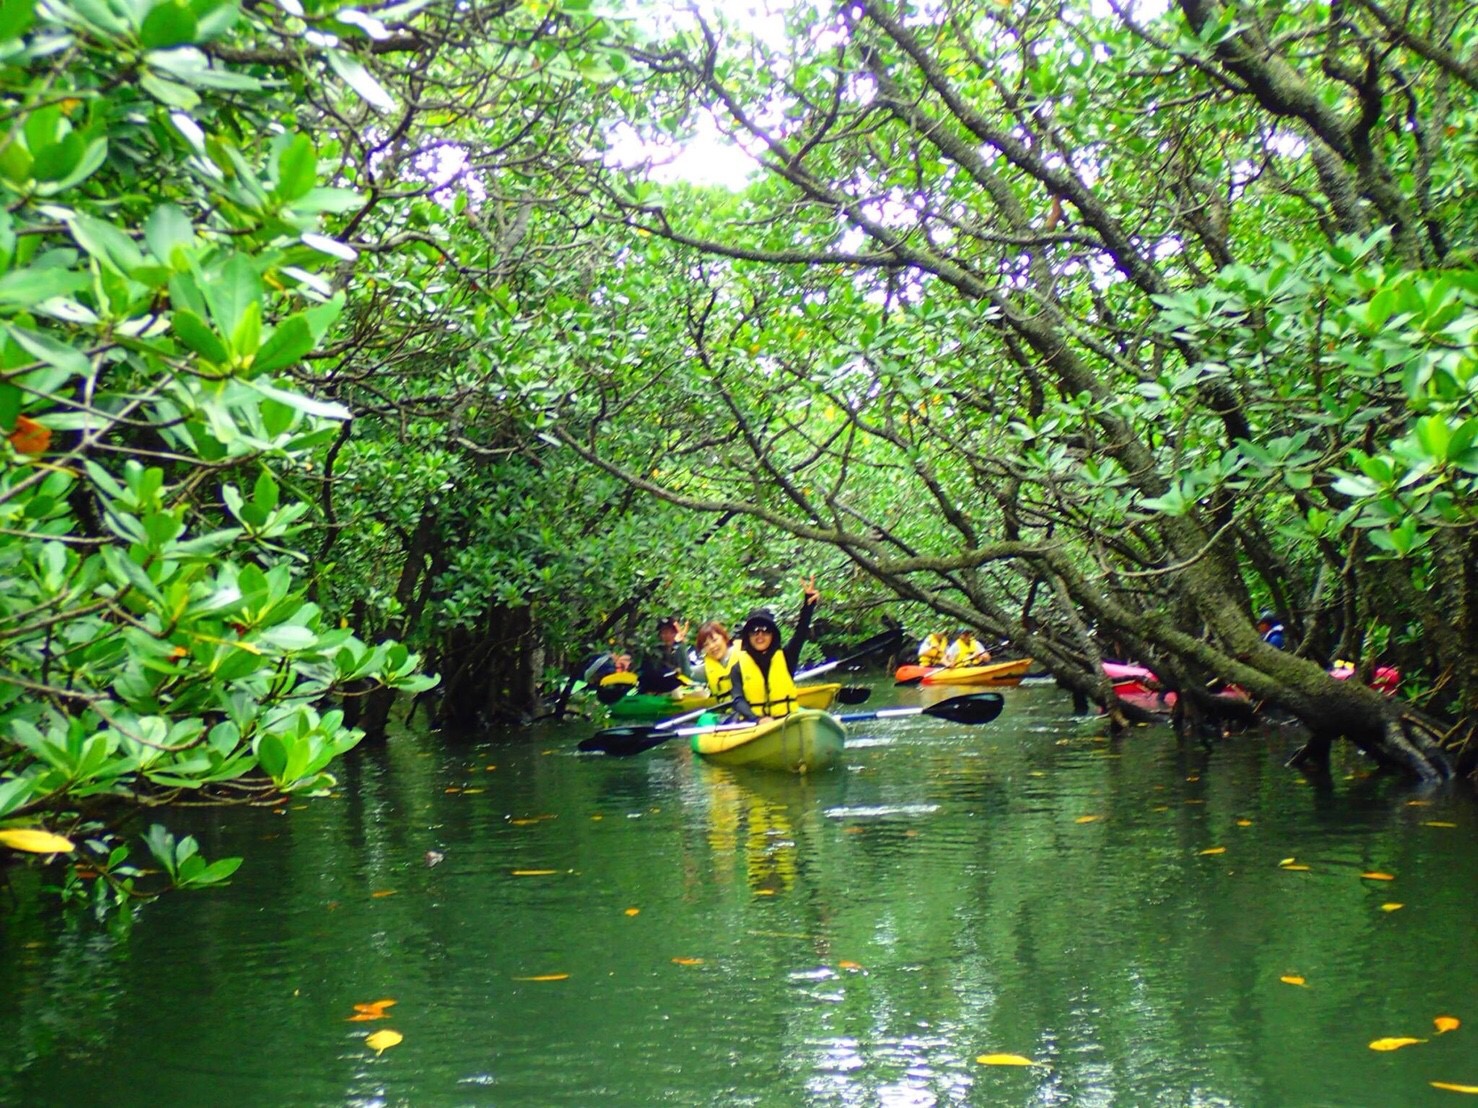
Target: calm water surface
(614,932)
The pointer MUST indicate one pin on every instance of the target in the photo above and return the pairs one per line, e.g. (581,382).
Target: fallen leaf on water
(1213,850)
(1296,867)
(1292,979)
(688,961)
(375,1010)
(533,872)
(453,789)
(1287,861)
(545,977)
(1391,906)
(522,822)
(633,911)
(1087,819)
(1376,875)
(1196,801)
(1244,823)
(1437,823)
(489,769)
(1395,1042)
(1450,1087)
(1447,1023)
(378,893)
(1418,803)
(382,1041)
(1005,1060)
(849,966)
(33,840)
(469,792)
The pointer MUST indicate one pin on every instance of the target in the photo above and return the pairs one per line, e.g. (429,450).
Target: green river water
(609,932)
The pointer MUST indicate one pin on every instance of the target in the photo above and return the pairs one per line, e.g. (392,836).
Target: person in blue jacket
(1271,628)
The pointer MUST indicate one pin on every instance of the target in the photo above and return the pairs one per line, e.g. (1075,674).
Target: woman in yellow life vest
(760,678)
(933,649)
(717,651)
(965,651)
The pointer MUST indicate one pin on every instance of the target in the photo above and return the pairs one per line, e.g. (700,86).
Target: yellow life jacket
(716,674)
(932,652)
(967,652)
(772,694)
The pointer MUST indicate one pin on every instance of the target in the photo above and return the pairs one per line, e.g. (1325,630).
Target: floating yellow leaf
(1437,823)
(633,911)
(848,966)
(375,1010)
(1085,819)
(688,961)
(33,840)
(1393,1043)
(1292,979)
(545,977)
(1418,803)
(1447,1023)
(1287,861)
(1005,1060)
(1376,875)
(382,1041)
(533,872)
(453,789)
(522,822)
(381,893)
(1213,850)
(1244,823)
(1391,906)
(1451,1088)
(1296,867)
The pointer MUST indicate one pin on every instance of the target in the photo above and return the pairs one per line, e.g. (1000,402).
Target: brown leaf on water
(1395,1042)
(1292,979)
(375,1010)
(1445,1024)
(687,961)
(1213,850)
(380,894)
(1451,1088)
(1376,875)
(852,966)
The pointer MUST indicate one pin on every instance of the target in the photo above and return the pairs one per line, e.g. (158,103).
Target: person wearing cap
(717,653)
(761,676)
(1271,628)
(667,666)
(965,651)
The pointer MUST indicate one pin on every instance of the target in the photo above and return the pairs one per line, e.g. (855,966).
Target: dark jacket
(792,650)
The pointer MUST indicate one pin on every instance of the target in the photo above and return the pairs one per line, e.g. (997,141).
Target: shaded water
(608,931)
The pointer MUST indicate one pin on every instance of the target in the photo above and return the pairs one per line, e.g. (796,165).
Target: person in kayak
(761,675)
(965,651)
(1270,627)
(716,651)
(666,666)
(933,649)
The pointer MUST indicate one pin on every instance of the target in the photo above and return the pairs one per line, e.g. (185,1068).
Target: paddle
(661,732)
(622,742)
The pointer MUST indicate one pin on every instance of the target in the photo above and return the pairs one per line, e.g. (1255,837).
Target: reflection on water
(561,929)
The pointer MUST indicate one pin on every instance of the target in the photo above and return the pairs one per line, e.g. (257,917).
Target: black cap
(666,621)
(1267,616)
(760,617)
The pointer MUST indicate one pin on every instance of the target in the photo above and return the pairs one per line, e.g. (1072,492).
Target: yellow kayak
(802,742)
(999,674)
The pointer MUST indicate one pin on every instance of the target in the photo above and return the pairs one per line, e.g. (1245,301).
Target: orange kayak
(999,674)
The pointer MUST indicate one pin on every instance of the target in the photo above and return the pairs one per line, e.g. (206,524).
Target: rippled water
(603,931)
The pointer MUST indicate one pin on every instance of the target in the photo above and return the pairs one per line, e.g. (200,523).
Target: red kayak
(912,674)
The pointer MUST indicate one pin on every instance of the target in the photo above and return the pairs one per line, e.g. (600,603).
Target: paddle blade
(910,680)
(622,742)
(973,708)
(853,694)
